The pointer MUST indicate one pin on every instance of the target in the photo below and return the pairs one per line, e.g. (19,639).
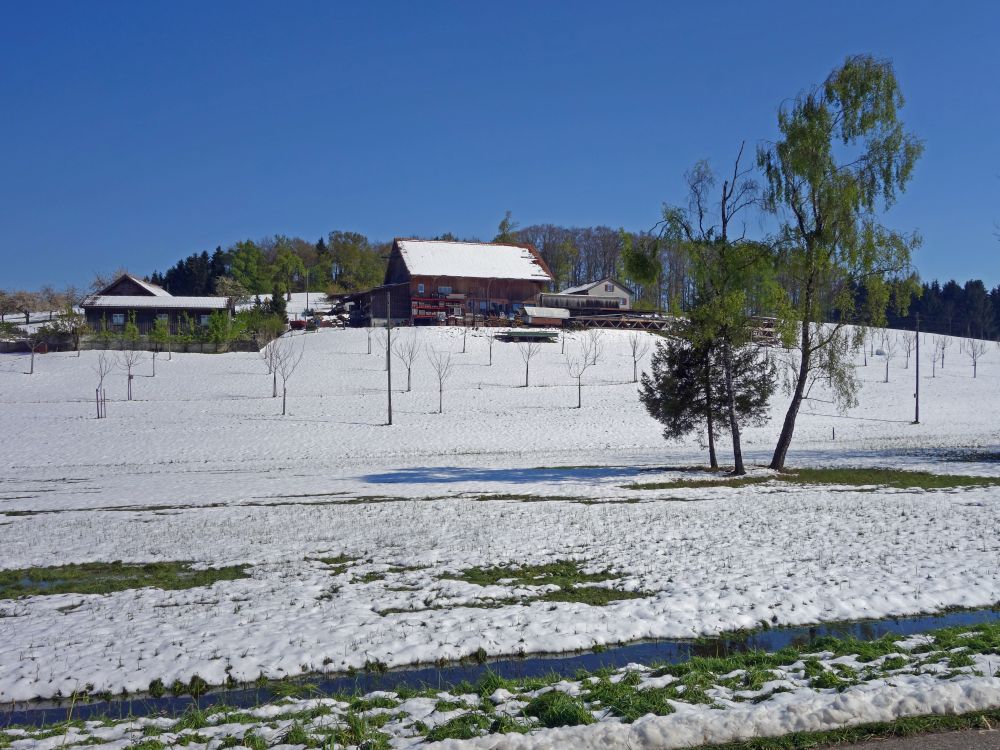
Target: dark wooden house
(128,297)
(432,281)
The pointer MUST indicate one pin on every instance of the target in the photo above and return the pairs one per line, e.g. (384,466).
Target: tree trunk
(734,426)
(284,396)
(274,384)
(886,369)
(440,398)
(31,369)
(788,428)
(525,374)
(635,370)
(408,372)
(713,459)
(579,392)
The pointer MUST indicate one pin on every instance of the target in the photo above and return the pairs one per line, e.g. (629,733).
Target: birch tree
(842,158)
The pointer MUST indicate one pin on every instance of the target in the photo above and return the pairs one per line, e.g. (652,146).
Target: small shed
(544,316)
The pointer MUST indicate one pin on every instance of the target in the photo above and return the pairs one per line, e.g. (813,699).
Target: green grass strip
(106,577)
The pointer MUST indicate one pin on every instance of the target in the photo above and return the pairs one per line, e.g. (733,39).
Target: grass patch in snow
(463,727)
(852,477)
(107,577)
(557,709)
(626,701)
(568,575)
(562,573)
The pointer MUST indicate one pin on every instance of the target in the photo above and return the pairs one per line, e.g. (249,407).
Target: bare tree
(596,348)
(974,349)
(105,363)
(25,303)
(577,365)
(270,355)
(491,337)
(909,343)
(381,338)
(442,365)
(287,359)
(370,330)
(7,305)
(128,358)
(407,350)
(639,344)
(944,344)
(528,350)
(888,346)
(35,337)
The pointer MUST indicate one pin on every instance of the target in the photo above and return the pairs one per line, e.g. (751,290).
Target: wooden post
(916,390)
(388,350)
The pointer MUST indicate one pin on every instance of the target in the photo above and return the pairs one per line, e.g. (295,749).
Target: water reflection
(668,651)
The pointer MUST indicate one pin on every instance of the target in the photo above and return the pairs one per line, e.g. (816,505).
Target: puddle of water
(647,652)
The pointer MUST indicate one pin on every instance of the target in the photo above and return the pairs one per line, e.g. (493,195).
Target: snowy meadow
(512,522)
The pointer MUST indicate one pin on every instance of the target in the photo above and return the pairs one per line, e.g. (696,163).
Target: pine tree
(686,390)
(278,305)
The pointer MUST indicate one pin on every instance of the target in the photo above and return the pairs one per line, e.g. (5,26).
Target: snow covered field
(202,467)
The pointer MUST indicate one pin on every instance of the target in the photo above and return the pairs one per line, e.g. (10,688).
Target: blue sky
(137,133)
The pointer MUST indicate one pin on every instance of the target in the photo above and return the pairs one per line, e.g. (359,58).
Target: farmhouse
(128,297)
(432,281)
(596,298)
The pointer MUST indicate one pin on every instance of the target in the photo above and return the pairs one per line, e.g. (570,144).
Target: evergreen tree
(278,305)
(686,391)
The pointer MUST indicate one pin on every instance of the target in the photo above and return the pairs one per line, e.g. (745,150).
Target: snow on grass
(705,700)
(201,468)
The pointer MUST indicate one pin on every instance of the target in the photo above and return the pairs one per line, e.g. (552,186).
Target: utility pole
(916,391)
(388,348)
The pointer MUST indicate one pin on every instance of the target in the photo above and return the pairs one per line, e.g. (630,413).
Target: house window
(609,287)
(117,319)
(162,316)
(444,290)
(420,288)
(203,319)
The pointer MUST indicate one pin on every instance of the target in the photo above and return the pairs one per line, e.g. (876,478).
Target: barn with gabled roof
(434,281)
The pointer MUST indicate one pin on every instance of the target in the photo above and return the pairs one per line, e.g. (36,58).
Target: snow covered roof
(153,289)
(546,312)
(158,302)
(478,260)
(587,287)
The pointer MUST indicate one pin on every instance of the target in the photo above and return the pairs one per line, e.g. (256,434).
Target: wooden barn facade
(128,298)
(430,282)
